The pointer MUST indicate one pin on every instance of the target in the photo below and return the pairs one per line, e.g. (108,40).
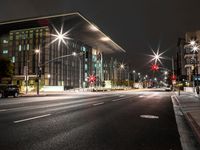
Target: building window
(5,41)
(83,48)
(20,47)
(28,47)
(5,51)
(13,59)
(86,67)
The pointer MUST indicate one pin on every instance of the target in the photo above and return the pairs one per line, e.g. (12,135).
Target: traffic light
(173,77)
(154,67)
(92,78)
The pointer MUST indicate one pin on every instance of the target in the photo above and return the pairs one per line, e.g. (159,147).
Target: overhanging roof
(81,29)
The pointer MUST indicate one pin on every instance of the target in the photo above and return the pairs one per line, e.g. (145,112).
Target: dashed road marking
(115,100)
(96,104)
(121,95)
(149,116)
(32,118)
(141,96)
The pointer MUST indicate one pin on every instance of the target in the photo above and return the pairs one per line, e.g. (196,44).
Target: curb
(191,121)
(193,124)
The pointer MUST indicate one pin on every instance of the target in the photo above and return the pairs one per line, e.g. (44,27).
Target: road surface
(126,120)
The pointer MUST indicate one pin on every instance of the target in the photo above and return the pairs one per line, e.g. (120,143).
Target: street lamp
(156,57)
(134,78)
(37,52)
(80,64)
(122,66)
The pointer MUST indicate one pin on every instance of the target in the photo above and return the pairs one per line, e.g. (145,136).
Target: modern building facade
(54,58)
(179,59)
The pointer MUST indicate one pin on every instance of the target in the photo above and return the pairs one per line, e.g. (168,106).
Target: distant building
(19,39)
(179,60)
(191,59)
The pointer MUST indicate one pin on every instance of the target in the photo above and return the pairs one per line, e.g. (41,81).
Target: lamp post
(37,52)
(134,78)
(80,64)
(121,67)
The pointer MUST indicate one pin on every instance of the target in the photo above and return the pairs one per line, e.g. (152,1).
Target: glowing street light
(37,51)
(60,36)
(192,42)
(122,66)
(74,53)
(195,49)
(157,56)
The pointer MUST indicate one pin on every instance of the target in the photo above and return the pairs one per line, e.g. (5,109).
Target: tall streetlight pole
(121,67)
(75,54)
(37,52)
(134,78)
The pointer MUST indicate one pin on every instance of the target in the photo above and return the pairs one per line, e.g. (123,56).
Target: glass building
(20,39)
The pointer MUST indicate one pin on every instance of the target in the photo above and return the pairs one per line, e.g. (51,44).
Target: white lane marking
(149,116)
(141,96)
(32,118)
(2,110)
(101,103)
(115,100)
(121,95)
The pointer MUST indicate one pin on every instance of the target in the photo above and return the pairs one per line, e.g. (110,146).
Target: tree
(6,68)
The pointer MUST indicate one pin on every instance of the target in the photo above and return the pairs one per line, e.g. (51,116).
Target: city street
(125,120)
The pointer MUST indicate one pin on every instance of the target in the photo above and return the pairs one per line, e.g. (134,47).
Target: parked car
(9,90)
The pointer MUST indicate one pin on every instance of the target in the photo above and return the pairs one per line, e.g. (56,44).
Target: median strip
(101,103)
(32,118)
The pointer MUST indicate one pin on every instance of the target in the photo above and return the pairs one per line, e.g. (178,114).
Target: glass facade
(20,45)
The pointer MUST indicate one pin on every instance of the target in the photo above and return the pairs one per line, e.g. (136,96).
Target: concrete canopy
(80,29)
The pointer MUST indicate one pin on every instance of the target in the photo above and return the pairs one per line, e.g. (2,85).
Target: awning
(80,30)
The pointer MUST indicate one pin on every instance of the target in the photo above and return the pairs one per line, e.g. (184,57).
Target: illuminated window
(13,59)
(86,67)
(20,47)
(28,47)
(5,51)
(5,41)
(83,48)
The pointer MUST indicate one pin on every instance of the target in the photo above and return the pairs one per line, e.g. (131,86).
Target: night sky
(136,25)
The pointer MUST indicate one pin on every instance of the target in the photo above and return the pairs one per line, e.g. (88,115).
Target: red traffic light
(173,77)
(154,67)
(92,78)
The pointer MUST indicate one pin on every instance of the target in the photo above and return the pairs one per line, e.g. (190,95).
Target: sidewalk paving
(190,107)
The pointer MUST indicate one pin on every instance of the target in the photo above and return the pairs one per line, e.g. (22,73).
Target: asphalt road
(112,121)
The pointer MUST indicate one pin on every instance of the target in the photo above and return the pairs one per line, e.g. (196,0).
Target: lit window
(86,75)
(83,48)
(13,59)
(5,41)
(86,67)
(5,51)
(28,47)
(20,47)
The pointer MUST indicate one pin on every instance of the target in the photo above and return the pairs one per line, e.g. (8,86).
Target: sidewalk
(190,107)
